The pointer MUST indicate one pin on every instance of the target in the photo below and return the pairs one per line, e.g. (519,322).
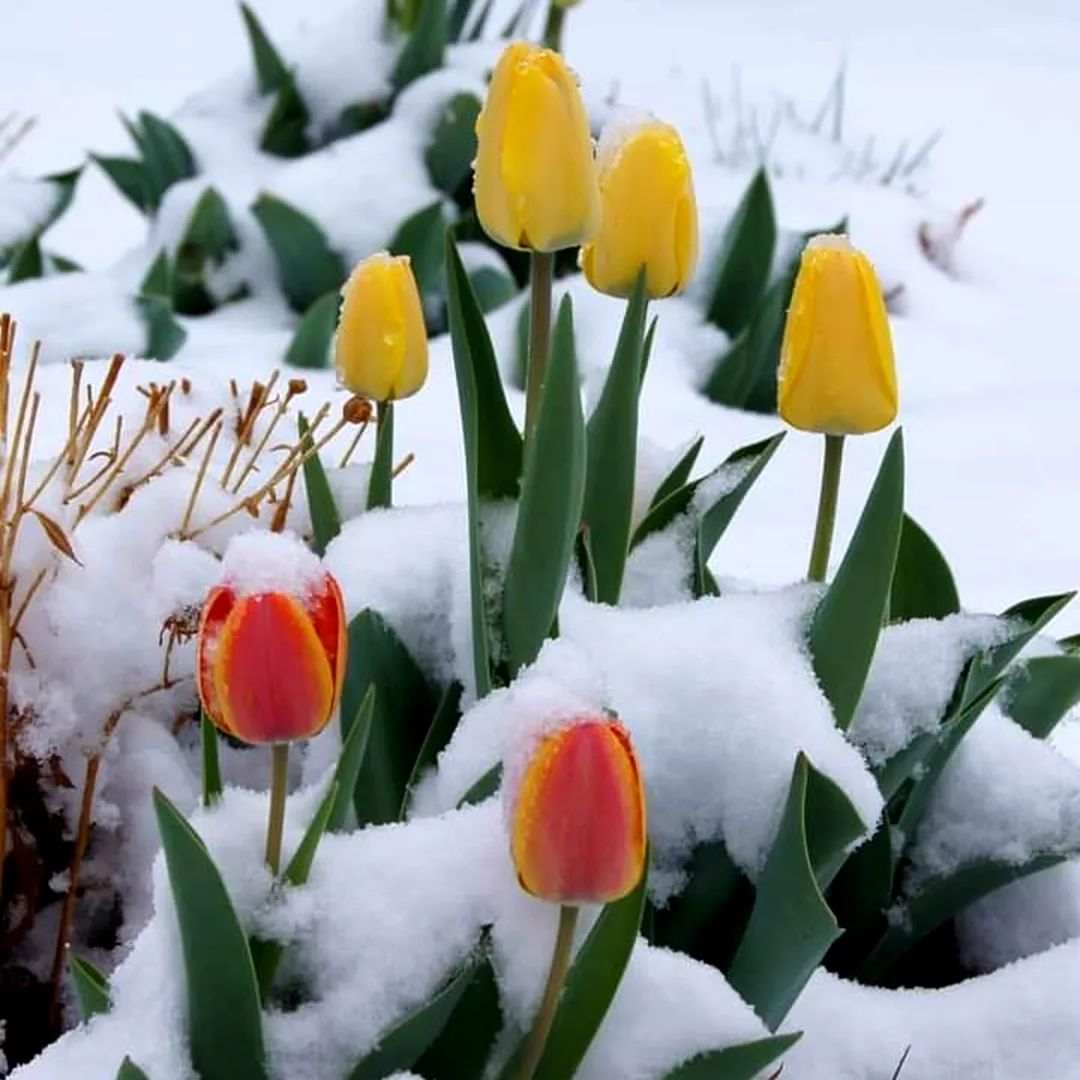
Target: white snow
(258,561)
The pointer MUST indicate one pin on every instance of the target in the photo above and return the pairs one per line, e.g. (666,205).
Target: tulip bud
(270,664)
(381,346)
(648,214)
(837,374)
(578,824)
(535,178)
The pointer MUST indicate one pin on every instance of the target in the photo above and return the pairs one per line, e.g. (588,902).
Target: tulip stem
(381,481)
(826,513)
(560,963)
(279,785)
(554,26)
(542,269)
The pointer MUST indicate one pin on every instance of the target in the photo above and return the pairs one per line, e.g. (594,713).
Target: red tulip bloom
(579,819)
(270,664)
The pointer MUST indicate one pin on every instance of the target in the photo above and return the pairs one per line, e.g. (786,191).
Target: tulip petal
(579,819)
(271,671)
(214,613)
(327,613)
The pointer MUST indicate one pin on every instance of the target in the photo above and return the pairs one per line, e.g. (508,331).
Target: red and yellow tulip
(270,665)
(579,817)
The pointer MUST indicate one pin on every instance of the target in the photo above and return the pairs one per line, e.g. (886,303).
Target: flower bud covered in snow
(837,374)
(578,822)
(381,348)
(648,215)
(272,640)
(535,180)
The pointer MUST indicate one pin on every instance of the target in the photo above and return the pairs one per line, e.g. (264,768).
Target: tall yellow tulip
(648,214)
(381,349)
(535,181)
(837,375)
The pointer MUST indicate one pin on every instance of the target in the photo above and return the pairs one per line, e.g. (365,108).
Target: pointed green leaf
(401,1047)
(381,480)
(493,449)
(60,264)
(424,50)
(746,254)
(549,511)
(742,1062)
(421,236)
(646,351)
(715,518)
(846,625)
(1041,691)
(612,454)
(208,240)
(477,31)
(449,155)
(212,786)
(442,728)
(459,14)
(270,69)
(923,585)
(158,280)
(130,1071)
(353,749)
(165,336)
(285,132)
(492,287)
(679,473)
(224,1014)
(313,341)
(586,565)
(26,263)
(166,157)
(130,179)
(403,712)
(325,519)
(791,926)
(91,987)
(307,266)
(484,788)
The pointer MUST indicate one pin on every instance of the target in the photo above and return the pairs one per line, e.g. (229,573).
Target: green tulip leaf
(679,473)
(325,518)
(158,280)
(130,1071)
(307,266)
(401,1047)
(208,240)
(791,927)
(439,734)
(403,712)
(590,988)
(484,788)
(312,343)
(165,336)
(1041,691)
(746,254)
(493,448)
(270,70)
(285,133)
(847,622)
(421,237)
(923,586)
(549,512)
(166,157)
(91,987)
(493,287)
(212,786)
(612,454)
(224,1013)
(26,264)
(130,179)
(449,155)
(380,494)
(425,47)
(742,1062)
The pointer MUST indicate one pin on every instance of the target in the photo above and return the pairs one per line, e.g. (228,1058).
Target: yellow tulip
(535,177)
(381,348)
(837,374)
(648,215)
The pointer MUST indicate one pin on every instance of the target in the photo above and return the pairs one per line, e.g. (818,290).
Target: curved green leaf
(746,255)
(742,1062)
(421,237)
(590,988)
(612,454)
(846,625)
(449,155)
(403,712)
(212,786)
(130,1071)
(166,157)
(26,264)
(1041,691)
(484,788)
(380,494)
(91,987)
(165,336)
(679,473)
(493,448)
(791,926)
(404,1044)
(208,239)
(307,266)
(224,1015)
(424,50)
(314,337)
(552,492)
(353,750)
(129,177)
(923,586)
(285,132)
(439,734)
(325,519)
(270,70)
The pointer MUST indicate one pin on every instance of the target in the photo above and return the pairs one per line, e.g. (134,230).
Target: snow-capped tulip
(270,664)
(579,816)
(535,177)
(381,348)
(837,374)
(648,214)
